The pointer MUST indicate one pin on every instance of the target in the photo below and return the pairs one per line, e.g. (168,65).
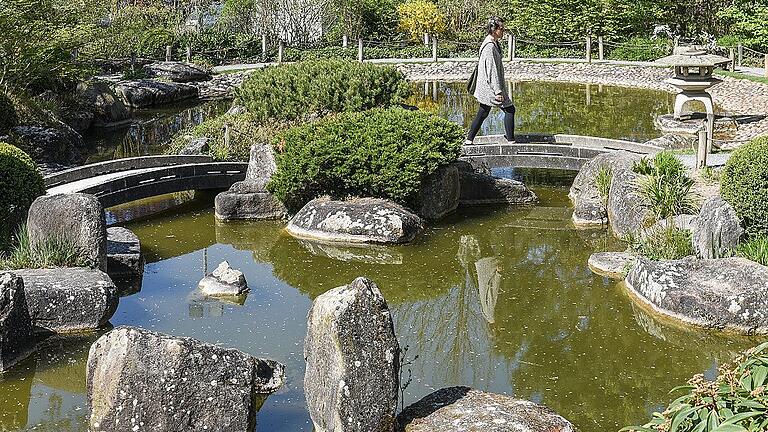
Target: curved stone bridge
(563,152)
(123,180)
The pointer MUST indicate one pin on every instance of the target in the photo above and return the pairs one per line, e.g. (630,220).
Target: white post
(701,152)
(189,54)
(263,45)
(589,48)
(360,50)
(510,55)
(766,65)
(426,39)
(434,49)
(280,48)
(589,95)
(168,53)
(710,131)
(741,55)
(434,91)
(344,41)
(514,47)
(732,63)
(600,51)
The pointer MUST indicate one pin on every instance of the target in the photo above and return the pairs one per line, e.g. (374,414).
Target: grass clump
(20,184)
(603,182)
(383,153)
(666,186)
(736,401)
(744,184)
(55,252)
(667,243)
(296,91)
(755,249)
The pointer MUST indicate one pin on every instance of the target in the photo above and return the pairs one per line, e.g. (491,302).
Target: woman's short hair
(494,23)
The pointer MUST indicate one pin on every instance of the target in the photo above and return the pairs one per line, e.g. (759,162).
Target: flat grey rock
(196,146)
(261,165)
(247,201)
(717,230)
(359,220)
(124,257)
(439,193)
(78,218)
(16,341)
(461,409)
(72,299)
(726,293)
(482,189)
(353,360)
(224,281)
(146,92)
(177,71)
(613,265)
(142,380)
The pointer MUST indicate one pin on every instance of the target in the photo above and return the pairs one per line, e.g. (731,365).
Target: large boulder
(142,380)
(73,299)
(249,199)
(107,108)
(224,281)
(627,212)
(359,220)
(717,229)
(177,71)
(461,409)
(439,193)
(147,92)
(62,144)
(727,293)
(196,146)
(15,325)
(77,218)
(124,257)
(479,189)
(353,360)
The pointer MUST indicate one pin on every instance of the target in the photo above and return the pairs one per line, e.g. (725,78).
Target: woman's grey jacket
(490,76)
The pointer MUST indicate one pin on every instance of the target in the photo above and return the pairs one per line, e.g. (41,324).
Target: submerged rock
(76,218)
(177,71)
(16,340)
(224,281)
(726,293)
(147,92)
(439,193)
(72,299)
(124,257)
(353,360)
(613,265)
(142,380)
(717,230)
(461,409)
(360,220)
(480,189)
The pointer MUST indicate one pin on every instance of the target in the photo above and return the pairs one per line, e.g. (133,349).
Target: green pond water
(500,299)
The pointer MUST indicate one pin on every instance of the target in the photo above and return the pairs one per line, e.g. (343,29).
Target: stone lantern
(693,76)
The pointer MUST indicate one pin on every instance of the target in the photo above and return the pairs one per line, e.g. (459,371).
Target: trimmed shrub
(744,184)
(296,91)
(8,117)
(378,153)
(20,184)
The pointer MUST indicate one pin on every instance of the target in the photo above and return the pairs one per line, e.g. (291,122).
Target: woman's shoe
(467,142)
(509,141)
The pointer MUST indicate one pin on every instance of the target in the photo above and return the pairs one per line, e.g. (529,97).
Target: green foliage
(665,186)
(20,184)
(8,117)
(735,402)
(377,153)
(746,21)
(298,90)
(420,16)
(603,182)
(744,184)
(54,252)
(755,249)
(144,30)
(640,49)
(667,243)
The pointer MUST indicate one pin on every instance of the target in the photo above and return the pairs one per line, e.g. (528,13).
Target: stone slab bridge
(124,180)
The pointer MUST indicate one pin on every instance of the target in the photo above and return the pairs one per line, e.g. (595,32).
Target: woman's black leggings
(482,114)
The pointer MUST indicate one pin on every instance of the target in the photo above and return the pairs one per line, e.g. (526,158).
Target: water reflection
(556,108)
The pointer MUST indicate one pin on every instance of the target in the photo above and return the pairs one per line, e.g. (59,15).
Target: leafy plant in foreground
(667,243)
(666,186)
(56,252)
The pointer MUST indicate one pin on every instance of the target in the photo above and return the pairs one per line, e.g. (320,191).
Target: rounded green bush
(744,184)
(8,117)
(20,184)
(381,153)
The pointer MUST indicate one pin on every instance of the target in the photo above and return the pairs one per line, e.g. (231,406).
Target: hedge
(20,184)
(299,90)
(383,153)
(744,184)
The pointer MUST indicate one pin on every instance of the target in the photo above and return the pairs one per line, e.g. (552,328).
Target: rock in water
(146,92)
(224,281)
(140,380)
(439,193)
(613,265)
(69,299)
(726,293)
(77,218)
(360,220)
(717,230)
(461,409)
(124,252)
(15,325)
(480,189)
(353,361)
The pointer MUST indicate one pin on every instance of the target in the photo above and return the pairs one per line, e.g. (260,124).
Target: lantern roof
(692,57)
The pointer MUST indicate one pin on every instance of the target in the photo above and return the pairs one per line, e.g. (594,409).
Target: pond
(555,108)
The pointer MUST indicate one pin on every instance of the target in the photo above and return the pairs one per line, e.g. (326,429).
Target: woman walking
(491,90)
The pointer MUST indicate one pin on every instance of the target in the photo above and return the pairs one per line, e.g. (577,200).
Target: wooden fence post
(766,65)
(426,39)
(280,48)
(133,61)
(75,53)
(740,55)
(514,47)
(732,63)
(589,48)
(360,50)
(226,136)
(189,54)
(600,51)
(434,49)
(344,41)
(701,152)
(509,47)
(264,45)
(168,49)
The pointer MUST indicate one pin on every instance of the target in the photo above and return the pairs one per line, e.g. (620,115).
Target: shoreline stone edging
(727,294)
(142,380)
(16,334)
(356,221)
(70,299)
(459,409)
(613,265)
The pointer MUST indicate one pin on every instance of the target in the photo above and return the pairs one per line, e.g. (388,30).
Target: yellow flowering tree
(420,16)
